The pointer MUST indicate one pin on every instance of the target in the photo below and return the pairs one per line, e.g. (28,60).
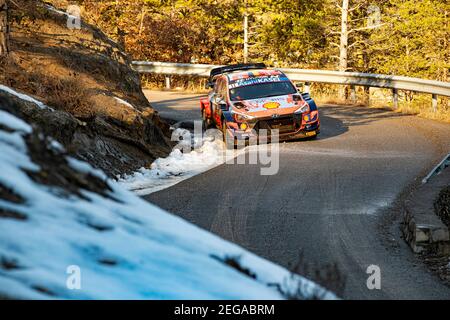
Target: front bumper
(305,131)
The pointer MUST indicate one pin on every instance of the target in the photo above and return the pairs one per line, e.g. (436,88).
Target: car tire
(228,144)
(206,122)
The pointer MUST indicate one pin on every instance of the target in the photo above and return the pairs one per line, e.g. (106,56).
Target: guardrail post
(306,87)
(367,96)
(353,93)
(167,81)
(395,98)
(434,102)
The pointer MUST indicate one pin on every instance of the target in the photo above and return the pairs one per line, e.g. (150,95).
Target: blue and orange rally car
(246,98)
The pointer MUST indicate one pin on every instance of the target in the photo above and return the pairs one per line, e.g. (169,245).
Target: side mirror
(209,85)
(299,86)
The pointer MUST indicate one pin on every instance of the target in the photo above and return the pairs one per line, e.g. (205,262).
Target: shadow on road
(358,115)
(337,119)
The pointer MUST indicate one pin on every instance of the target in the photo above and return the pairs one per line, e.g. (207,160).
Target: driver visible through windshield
(262,90)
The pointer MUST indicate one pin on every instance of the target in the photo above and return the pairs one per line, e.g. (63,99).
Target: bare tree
(4,28)
(343,47)
(246,32)
(344,33)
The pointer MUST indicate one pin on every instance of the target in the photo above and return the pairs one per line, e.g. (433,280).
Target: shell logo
(271,105)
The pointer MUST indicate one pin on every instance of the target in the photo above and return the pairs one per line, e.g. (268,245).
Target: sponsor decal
(235,77)
(271,99)
(256,80)
(251,74)
(271,105)
(266,73)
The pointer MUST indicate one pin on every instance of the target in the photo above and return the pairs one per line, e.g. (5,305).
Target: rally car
(246,98)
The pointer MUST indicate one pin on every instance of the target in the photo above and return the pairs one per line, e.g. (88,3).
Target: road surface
(335,198)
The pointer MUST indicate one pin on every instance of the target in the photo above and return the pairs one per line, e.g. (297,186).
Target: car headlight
(303,109)
(241,116)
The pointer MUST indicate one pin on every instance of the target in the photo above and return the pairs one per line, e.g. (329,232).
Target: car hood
(268,106)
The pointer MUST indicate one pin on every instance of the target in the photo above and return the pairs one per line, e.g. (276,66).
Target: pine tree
(413,40)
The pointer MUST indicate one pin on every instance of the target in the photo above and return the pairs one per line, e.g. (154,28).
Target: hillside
(99,111)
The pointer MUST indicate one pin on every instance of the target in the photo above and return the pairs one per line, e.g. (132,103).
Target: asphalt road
(335,198)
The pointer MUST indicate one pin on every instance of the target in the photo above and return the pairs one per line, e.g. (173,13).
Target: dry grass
(68,94)
(68,69)
(65,93)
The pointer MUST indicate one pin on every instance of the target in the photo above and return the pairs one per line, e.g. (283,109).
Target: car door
(218,98)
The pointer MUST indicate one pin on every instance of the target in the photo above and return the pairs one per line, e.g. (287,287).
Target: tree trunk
(343,47)
(246,33)
(4,28)
(144,11)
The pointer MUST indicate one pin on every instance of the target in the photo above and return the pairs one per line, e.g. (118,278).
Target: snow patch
(24,97)
(85,167)
(11,122)
(57,146)
(125,103)
(178,166)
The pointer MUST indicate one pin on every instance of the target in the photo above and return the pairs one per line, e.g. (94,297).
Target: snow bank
(178,166)
(209,152)
(125,247)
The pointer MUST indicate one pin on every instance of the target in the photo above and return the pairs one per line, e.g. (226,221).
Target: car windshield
(262,90)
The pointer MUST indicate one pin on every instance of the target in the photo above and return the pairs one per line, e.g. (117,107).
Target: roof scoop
(236,67)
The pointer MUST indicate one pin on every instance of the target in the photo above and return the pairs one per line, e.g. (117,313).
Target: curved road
(335,198)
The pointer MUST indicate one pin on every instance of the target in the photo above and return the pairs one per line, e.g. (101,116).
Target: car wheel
(206,122)
(229,144)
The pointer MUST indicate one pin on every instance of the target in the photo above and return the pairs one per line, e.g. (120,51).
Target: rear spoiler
(233,67)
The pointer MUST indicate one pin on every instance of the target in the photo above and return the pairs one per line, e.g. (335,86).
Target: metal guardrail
(322,76)
(169,68)
(438,169)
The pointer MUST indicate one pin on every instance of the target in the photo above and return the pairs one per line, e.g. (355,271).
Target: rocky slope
(442,205)
(100,113)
